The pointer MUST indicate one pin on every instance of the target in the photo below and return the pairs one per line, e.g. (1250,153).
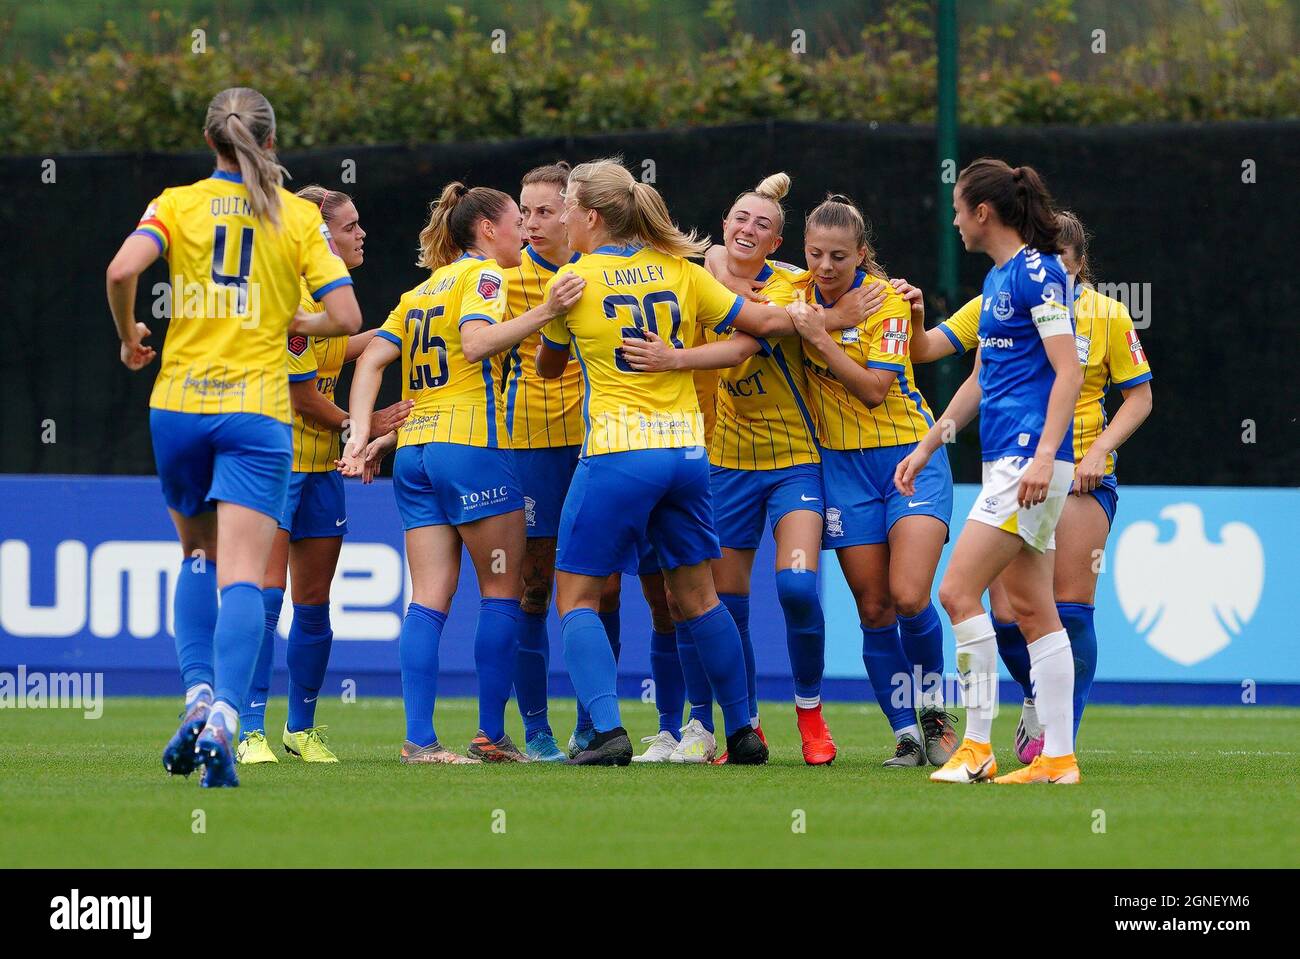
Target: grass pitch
(1206,787)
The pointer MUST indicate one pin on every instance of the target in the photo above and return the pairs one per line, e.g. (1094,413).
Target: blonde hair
(239,121)
(773,189)
(453,222)
(837,212)
(327,200)
(633,211)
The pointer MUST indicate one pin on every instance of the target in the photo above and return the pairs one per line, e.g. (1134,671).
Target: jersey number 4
(238,280)
(643,318)
(422,375)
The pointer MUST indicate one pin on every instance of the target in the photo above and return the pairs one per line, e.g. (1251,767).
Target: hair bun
(774,187)
(838,198)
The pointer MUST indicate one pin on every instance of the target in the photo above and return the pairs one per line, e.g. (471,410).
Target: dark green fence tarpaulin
(1208,256)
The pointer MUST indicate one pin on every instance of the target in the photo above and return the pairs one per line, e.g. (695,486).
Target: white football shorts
(997,503)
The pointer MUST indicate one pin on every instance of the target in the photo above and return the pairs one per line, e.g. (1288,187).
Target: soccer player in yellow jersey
(315,516)
(1112,356)
(643,470)
(454,475)
(237,246)
(765,466)
(869,417)
(544,419)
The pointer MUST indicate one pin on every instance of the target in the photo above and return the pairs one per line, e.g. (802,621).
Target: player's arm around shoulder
(487,332)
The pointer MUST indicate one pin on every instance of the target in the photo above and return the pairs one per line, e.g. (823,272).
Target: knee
(911,602)
(956,601)
(797,593)
(875,611)
(311,594)
(536,599)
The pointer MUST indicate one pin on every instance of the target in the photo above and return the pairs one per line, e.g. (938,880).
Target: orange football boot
(818,747)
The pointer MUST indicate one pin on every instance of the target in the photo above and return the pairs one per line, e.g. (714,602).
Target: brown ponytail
(556,174)
(328,201)
(239,121)
(1018,196)
(838,212)
(1071,233)
(453,220)
(633,211)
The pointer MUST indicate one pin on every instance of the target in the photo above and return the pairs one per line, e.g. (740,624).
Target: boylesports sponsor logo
(425,421)
(212,384)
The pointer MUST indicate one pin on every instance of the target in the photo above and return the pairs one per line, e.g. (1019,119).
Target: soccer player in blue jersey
(1112,357)
(1025,385)
(238,246)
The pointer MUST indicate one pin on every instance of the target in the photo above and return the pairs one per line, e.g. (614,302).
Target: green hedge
(570,77)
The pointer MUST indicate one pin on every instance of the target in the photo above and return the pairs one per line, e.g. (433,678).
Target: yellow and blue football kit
(764,456)
(1112,356)
(454,464)
(543,416)
(315,506)
(644,468)
(862,445)
(220,406)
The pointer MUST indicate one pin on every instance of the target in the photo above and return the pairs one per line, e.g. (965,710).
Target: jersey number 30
(422,375)
(643,318)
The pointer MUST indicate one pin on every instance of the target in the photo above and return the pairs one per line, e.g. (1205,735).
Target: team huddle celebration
(589,392)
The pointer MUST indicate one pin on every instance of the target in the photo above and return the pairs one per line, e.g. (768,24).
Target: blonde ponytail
(239,121)
(633,211)
(453,220)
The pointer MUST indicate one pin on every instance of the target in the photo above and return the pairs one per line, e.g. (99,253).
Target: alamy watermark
(41,690)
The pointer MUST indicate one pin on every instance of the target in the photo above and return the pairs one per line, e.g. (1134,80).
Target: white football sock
(807,702)
(223,714)
(1051,668)
(977,669)
(195,692)
(912,730)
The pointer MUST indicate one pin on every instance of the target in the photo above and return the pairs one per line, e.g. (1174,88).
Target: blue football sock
(417,651)
(738,606)
(495,643)
(698,690)
(194,615)
(805,629)
(252,716)
(590,661)
(532,664)
(613,623)
(882,654)
(241,622)
(717,641)
(922,637)
(310,639)
(1015,654)
(670,687)
(1077,618)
